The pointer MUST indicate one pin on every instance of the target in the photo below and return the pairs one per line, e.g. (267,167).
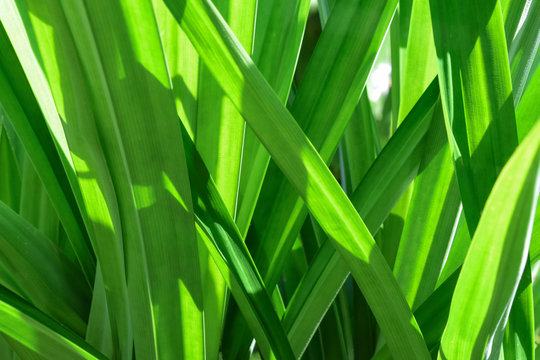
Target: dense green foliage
(197,179)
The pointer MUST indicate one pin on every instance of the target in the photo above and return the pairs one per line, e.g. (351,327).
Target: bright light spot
(252,347)
(144,196)
(81,165)
(94,198)
(535,271)
(523,17)
(169,186)
(379,81)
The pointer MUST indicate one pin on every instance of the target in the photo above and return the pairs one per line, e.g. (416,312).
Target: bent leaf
(501,244)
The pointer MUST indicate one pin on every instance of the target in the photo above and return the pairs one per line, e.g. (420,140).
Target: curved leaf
(226,246)
(40,333)
(476,90)
(383,184)
(46,277)
(501,244)
(295,155)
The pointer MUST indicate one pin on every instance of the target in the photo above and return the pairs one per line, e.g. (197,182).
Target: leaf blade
(280,134)
(501,243)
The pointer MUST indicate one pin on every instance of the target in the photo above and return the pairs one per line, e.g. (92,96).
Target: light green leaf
(381,187)
(183,64)
(219,137)
(435,198)
(528,110)
(40,333)
(220,127)
(501,244)
(417,70)
(27,25)
(26,120)
(322,106)
(295,155)
(477,95)
(432,316)
(360,144)
(524,50)
(146,163)
(420,63)
(230,254)
(279,32)
(428,227)
(518,340)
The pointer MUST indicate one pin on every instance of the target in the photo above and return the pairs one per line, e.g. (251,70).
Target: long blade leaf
(501,244)
(295,155)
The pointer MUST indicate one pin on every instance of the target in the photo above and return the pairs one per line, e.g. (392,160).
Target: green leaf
(279,31)
(524,50)
(147,167)
(10,179)
(432,316)
(528,109)
(512,11)
(460,245)
(501,244)
(226,129)
(519,333)
(381,187)
(314,106)
(5,350)
(46,277)
(429,224)
(132,172)
(477,95)
(183,64)
(219,137)
(98,331)
(295,155)
(230,254)
(418,70)
(360,144)
(399,38)
(435,198)
(220,127)
(322,106)
(420,63)
(36,207)
(358,149)
(26,120)
(46,52)
(40,333)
